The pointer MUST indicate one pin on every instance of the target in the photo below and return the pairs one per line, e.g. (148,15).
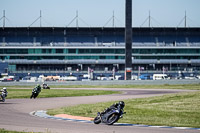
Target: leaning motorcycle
(109,117)
(45,86)
(3,96)
(34,93)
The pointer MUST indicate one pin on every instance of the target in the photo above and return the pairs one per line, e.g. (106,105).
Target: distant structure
(61,50)
(4,18)
(39,18)
(128,40)
(105,51)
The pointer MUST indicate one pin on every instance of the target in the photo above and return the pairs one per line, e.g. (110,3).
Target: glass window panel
(72,51)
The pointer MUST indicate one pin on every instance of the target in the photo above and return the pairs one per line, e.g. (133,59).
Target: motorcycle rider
(4,91)
(37,89)
(45,86)
(110,115)
(114,106)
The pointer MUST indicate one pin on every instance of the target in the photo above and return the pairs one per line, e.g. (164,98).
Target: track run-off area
(15,113)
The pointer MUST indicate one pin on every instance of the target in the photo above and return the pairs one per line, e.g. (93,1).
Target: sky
(97,13)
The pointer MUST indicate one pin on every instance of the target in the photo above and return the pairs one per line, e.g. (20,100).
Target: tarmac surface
(15,114)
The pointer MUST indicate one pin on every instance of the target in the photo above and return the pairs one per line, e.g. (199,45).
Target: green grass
(26,93)
(6,131)
(181,110)
(165,86)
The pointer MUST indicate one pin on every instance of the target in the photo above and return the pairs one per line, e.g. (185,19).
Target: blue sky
(96,13)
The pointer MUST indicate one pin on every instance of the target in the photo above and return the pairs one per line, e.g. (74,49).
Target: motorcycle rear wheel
(112,119)
(97,120)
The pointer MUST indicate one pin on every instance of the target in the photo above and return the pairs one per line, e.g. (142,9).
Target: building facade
(51,49)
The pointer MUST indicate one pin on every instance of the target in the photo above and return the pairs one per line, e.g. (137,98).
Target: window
(59,50)
(72,51)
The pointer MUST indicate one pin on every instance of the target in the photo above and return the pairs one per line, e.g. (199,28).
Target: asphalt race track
(14,114)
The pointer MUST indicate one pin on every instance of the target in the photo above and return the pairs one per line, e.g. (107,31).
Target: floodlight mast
(4,20)
(128,40)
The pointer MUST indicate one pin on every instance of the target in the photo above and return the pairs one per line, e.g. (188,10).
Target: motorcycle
(109,117)
(3,96)
(45,86)
(34,93)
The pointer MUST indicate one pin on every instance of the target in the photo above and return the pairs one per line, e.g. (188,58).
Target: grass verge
(6,131)
(165,86)
(26,93)
(182,110)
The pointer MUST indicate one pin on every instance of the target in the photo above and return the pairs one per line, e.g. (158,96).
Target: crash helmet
(38,85)
(122,104)
(4,89)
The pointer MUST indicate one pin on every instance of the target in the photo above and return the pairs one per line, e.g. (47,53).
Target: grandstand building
(63,50)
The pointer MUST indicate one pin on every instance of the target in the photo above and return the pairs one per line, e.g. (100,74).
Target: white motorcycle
(3,95)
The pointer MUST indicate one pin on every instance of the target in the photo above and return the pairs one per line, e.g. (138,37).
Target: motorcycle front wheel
(97,120)
(32,95)
(35,95)
(112,119)
(3,98)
